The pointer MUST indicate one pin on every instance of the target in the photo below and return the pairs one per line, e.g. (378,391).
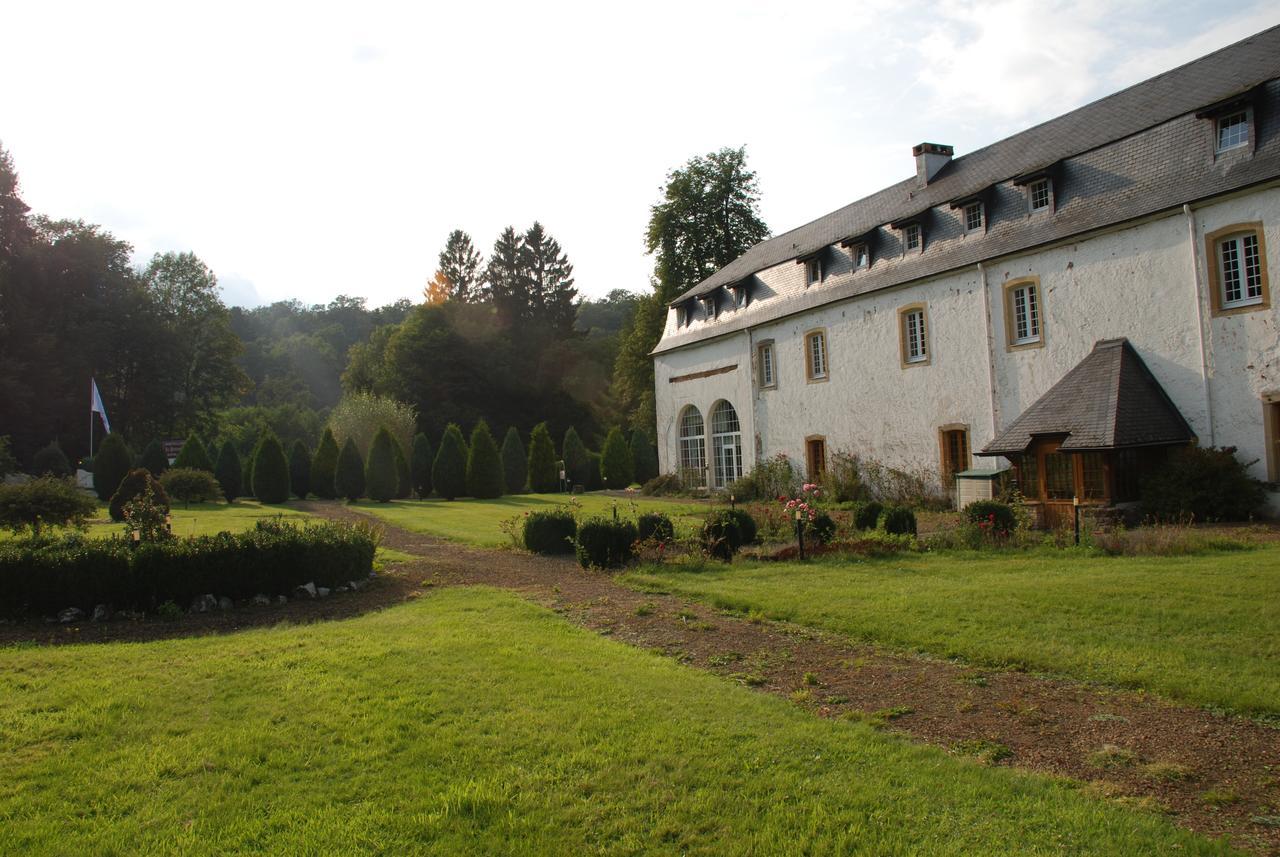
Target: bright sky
(310,150)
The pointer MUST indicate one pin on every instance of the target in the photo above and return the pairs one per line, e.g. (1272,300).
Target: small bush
(111,464)
(515,462)
(666,485)
(999,515)
(842,479)
(422,457)
(822,527)
(324,468)
(190,485)
(44,501)
(228,471)
(51,461)
(270,471)
(550,532)
(193,455)
(154,459)
(133,484)
(348,479)
(866,514)
(746,525)
(380,477)
(654,525)
(617,470)
(1203,483)
(299,470)
(721,535)
(605,543)
(449,472)
(769,480)
(544,476)
(485,478)
(898,520)
(146,519)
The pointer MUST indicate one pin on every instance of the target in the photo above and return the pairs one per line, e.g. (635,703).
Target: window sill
(821,380)
(1237,309)
(1024,346)
(911,364)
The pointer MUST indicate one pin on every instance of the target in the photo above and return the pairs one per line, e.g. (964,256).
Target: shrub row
(550,532)
(272,559)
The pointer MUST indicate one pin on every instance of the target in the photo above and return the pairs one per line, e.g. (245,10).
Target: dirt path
(1213,774)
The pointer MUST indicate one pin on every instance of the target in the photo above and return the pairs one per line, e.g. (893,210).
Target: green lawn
(1200,629)
(470,721)
(201,519)
(479,522)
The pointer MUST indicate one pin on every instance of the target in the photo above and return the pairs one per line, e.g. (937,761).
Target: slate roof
(1107,171)
(1110,400)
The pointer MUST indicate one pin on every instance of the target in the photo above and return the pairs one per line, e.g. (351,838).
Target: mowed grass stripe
(1201,629)
(472,722)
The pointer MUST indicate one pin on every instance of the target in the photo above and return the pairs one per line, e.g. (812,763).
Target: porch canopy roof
(1110,400)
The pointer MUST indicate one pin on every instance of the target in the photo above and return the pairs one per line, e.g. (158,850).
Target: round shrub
(1203,483)
(544,477)
(348,480)
(44,501)
(270,471)
(299,470)
(866,514)
(550,532)
(190,485)
(228,471)
(380,477)
(110,465)
(605,543)
(999,514)
(449,471)
(51,461)
(515,462)
(134,483)
(898,520)
(423,457)
(617,470)
(654,525)
(746,525)
(193,454)
(485,478)
(722,535)
(154,459)
(822,527)
(324,467)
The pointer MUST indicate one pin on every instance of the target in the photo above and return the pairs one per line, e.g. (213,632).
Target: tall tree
(438,289)
(507,279)
(549,276)
(461,268)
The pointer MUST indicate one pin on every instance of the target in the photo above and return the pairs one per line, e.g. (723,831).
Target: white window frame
(693,448)
(816,362)
(767,355)
(912,238)
(860,256)
(739,296)
(726,444)
(1033,190)
(1236,138)
(968,210)
(813,271)
(915,336)
(1025,313)
(1237,273)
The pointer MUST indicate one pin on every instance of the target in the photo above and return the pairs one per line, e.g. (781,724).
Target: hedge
(654,525)
(272,559)
(605,543)
(822,527)
(994,512)
(550,532)
(191,485)
(866,514)
(898,520)
(722,535)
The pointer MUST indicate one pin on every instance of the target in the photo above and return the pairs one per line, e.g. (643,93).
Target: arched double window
(726,444)
(693,448)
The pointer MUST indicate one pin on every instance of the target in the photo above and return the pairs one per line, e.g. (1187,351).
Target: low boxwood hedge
(866,514)
(654,525)
(605,543)
(550,532)
(898,520)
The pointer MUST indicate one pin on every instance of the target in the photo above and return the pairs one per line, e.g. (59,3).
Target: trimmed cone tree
(616,468)
(644,455)
(543,476)
(324,468)
(515,462)
(154,459)
(300,470)
(404,476)
(270,470)
(110,465)
(349,478)
(380,477)
(449,470)
(194,455)
(229,471)
(423,458)
(51,461)
(485,478)
(574,454)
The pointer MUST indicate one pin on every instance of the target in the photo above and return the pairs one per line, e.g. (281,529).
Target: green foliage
(228,471)
(999,515)
(485,478)
(359,416)
(664,485)
(747,529)
(644,455)
(146,519)
(898,520)
(550,532)
(324,467)
(134,483)
(544,478)
(515,462)
(190,485)
(270,471)
(51,461)
(349,478)
(617,470)
(605,542)
(842,480)
(595,481)
(404,476)
(460,263)
(449,471)
(423,459)
(722,535)
(44,501)
(573,452)
(1204,484)
(769,480)
(246,473)
(274,558)
(8,463)
(822,527)
(154,459)
(300,470)
(112,461)
(194,455)
(380,477)
(654,525)
(866,514)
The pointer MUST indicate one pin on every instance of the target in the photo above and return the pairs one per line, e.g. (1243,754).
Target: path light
(800,531)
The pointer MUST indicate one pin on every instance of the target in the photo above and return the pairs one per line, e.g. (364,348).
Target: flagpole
(91,416)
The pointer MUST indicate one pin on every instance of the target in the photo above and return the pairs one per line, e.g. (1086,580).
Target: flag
(96,406)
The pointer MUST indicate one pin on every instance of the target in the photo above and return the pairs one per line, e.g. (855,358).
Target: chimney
(930,158)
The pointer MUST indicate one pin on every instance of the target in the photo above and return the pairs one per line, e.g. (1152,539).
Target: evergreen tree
(227,471)
(300,470)
(404,476)
(616,467)
(51,461)
(553,299)
(324,467)
(543,476)
(515,462)
(194,455)
(574,454)
(110,465)
(423,458)
(460,268)
(380,477)
(449,471)
(154,459)
(508,283)
(485,478)
(246,473)
(644,455)
(349,478)
(270,470)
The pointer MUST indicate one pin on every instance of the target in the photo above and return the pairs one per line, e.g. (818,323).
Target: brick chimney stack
(930,158)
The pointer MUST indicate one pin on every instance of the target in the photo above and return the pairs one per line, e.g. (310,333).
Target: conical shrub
(300,470)
(154,459)
(110,465)
(485,478)
(543,475)
(194,455)
(380,477)
(51,461)
(644,455)
(404,477)
(515,462)
(616,467)
(449,471)
(574,454)
(270,470)
(349,478)
(227,470)
(423,457)
(324,468)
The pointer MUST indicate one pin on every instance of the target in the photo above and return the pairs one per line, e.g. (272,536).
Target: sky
(310,150)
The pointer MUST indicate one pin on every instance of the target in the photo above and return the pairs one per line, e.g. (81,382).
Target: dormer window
(861,256)
(739,292)
(973,217)
(1040,194)
(813,271)
(709,306)
(911,237)
(1232,131)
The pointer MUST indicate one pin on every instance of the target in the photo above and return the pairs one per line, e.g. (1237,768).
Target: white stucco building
(919,326)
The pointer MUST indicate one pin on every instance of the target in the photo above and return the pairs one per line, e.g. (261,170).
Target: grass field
(469,721)
(1200,629)
(479,522)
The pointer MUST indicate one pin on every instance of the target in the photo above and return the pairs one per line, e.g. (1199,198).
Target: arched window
(726,444)
(693,449)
